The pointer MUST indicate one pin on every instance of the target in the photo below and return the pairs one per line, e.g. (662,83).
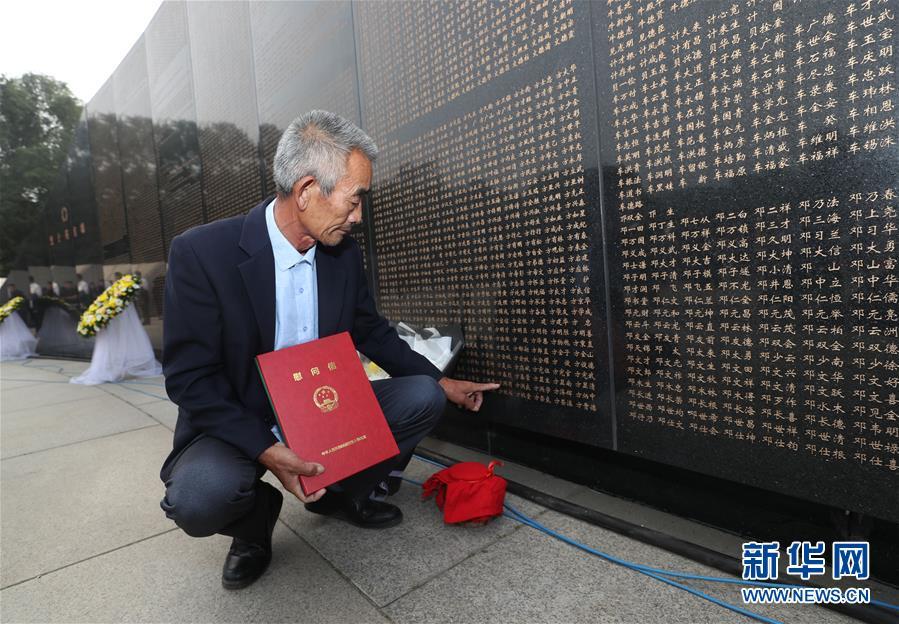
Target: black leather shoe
(393,484)
(244,564)
(246,560)
(387,487)
(366,513)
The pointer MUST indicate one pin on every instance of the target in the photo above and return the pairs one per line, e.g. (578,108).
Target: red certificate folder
(326,408)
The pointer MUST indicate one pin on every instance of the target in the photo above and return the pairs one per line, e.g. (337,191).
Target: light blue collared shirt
(296,291)
(296,288)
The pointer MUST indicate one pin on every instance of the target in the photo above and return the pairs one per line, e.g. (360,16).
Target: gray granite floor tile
(29,430)
(164,412)
(72,502)
(387,563)
(29,370)
(176,578)
(32,372)
(531,577)
(64,368)
(10,384)
(50,394)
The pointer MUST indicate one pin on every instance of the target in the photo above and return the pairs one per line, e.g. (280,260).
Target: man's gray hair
(317,144)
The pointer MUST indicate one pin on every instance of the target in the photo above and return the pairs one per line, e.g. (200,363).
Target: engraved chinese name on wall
(756,174)
(483,220)
(448,49)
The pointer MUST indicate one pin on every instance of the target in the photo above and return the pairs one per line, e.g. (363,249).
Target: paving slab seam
(32,370)
(43,367)
(59,446)
(474,553)
(339,572)
(66,374)
(64,380)
(126,387)
(59,370)
(30,382)
(100,554)
(149,415)
(34,407)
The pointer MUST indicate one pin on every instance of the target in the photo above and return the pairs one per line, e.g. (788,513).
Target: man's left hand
(466,394)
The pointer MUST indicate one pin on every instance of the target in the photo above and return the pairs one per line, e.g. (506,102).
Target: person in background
(142,300)
(84,292)
(34,289)
(34,293)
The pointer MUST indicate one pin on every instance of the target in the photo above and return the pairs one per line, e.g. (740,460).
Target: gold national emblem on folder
(325,398)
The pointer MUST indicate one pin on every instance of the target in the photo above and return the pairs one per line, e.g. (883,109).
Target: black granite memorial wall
(107,175)
(138,157)
(483,201)
(80,216)
(173,110)
(228,126)
(750,171)
(666,227)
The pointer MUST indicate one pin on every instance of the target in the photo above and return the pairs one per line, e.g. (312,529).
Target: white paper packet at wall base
(428,342)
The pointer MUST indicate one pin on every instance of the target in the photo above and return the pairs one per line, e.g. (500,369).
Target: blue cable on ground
(646,570)
(887,605)
(638,567)
(517,515)
(656,573)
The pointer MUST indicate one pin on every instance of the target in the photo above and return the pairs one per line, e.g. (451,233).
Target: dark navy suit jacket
(220,314)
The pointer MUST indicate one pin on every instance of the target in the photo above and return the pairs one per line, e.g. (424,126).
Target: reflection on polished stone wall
(667,228)
(226,106)
(137,157)
(107,169)
(174,115)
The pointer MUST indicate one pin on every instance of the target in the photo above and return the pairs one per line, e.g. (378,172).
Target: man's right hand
(285,465)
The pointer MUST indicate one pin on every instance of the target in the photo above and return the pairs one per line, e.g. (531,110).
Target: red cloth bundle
(467,492)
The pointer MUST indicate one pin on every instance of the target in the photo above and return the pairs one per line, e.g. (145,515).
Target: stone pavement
(84,540)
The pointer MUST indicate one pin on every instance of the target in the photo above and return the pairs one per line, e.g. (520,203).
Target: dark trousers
(212,487)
